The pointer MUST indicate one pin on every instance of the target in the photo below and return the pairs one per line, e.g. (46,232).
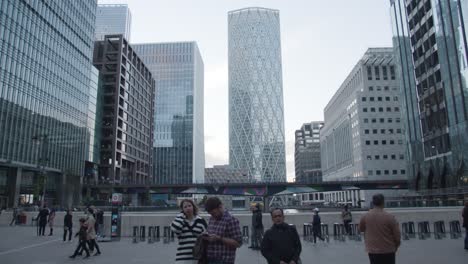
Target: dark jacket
(465,217)
(316,220)
(257,219)
(67,220)
(42,216)
(82,233)
(281,243)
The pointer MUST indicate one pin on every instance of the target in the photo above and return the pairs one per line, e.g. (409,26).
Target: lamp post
(42,140)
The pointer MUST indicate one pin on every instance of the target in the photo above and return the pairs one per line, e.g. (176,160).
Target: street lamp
(41,162)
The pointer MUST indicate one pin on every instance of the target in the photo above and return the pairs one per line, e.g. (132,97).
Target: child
(82,236)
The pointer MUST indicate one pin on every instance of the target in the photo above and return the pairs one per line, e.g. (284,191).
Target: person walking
(51,221)
(281,243)
(42,220)
(187,226)
(317,226)
(257,227)
(223,234)
(100,223)
(90,223)
(381,233)
(82,235)
(347,218)
(14,216)
(67,226)
(465,223)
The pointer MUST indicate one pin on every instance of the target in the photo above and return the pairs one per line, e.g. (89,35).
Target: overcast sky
(321,42)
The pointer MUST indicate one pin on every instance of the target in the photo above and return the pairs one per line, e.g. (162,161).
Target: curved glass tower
(256,113)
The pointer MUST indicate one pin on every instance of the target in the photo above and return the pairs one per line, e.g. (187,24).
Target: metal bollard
(411,230)
(156,233)
(439,229)
(142,233)
(135,234)
(338,232)
(325,233)
(424,230)
(357,235)
(150,235)
(245,234)
(167,234)
(172,236)
(455,229)
(404,231)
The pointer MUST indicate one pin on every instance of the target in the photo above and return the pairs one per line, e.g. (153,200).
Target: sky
(321,42)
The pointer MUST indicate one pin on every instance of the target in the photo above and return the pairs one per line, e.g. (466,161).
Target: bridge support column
(266,204)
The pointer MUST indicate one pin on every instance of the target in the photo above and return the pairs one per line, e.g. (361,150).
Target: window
(371,99)
(393,157)
(402,157)
(398,120)
(369,73)
(387,98)
(385,157)
(380,109)
(397,109)
(400,142)
(366,131)
(377,157)
(390,120)
(371,88)
(382,131)
(389,109)
(366,120)
(382,120)
(377,172)
(390,130)
(379,99)
(367,142)
(369,157)
(395,98)
(377,72)
(398,130)
(374,131)
(384,142)
(403,172)
(386,172)
(364,109)
(374,120)
(364,99)
(392,72)
(394,172)
(376,142)
(379,88)
(372,109)
(386,88)
(384,72)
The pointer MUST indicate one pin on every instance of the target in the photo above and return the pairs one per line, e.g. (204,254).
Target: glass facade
(256,113)
(127,108)
(44,81)
(431,44)
(113,19)
(179,155)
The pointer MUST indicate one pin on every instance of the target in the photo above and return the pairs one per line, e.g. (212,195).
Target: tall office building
(45,74)
(307,153)
(127,109)
(431,46)
(179,152)
(256,113)
(363,137)
(113,20)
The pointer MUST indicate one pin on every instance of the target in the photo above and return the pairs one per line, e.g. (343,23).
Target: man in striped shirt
(224,235)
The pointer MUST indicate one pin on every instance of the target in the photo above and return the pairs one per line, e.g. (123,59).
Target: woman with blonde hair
(188,225)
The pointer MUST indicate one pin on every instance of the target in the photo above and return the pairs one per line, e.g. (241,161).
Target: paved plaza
(19,245)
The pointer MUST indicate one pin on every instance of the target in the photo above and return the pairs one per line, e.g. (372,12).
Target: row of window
(379,88)
(385,157)
(385,172)
(384,142)
(382,120)
(379,99)
(381,109)
(383,131)
(376,73)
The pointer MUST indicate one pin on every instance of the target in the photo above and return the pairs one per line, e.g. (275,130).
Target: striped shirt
(187,233)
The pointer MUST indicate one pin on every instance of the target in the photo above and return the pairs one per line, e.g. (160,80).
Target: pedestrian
(42,220)
(347,219)
(67,226)
(82,235)
(465,223)
(381,233)
(281,243)
(223,233)
(14,216)
(90,222)
(187,226)
(51,221)
(317,226)
(257,227)
(100,223)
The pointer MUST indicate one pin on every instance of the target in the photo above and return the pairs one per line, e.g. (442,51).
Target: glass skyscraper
(179,152)
(45,74)
(256,113)
(430,44)
(113,19)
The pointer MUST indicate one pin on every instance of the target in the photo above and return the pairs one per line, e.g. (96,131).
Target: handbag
(199,250)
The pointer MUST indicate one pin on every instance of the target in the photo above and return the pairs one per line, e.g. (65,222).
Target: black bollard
(135,234)
(156,233)
(142,233)
(150,235)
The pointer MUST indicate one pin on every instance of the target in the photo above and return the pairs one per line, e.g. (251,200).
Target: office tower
(113,20)
(256,113)
(45,71)
(307,153)
(431,46)
(127,109)
(179,153)
(225,174)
